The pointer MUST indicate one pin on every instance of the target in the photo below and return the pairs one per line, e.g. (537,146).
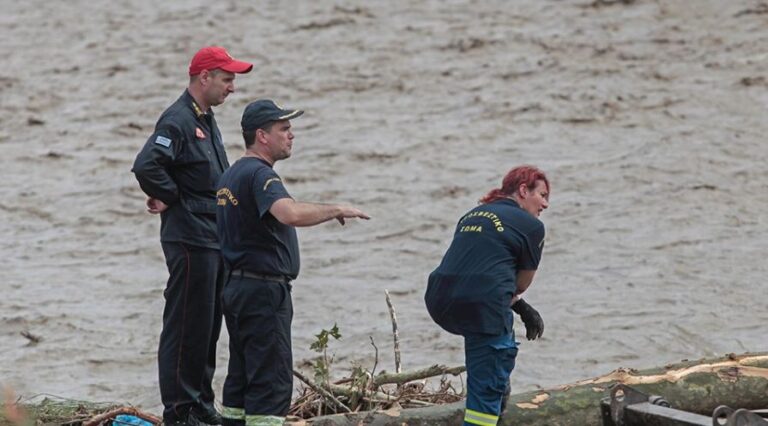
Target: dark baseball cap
(263,111)
(213,57)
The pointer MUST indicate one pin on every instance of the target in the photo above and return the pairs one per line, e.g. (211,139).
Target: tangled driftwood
(738,381)
(365,391)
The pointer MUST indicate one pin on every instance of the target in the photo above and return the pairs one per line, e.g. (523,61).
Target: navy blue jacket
(471,290)
(251,238)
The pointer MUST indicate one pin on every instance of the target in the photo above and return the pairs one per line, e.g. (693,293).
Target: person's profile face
(219,85)
(535,200)
(280,139)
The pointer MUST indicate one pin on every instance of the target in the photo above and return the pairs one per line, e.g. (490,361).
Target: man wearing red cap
(178,168)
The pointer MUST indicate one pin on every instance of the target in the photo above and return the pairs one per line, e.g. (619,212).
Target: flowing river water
(648,116)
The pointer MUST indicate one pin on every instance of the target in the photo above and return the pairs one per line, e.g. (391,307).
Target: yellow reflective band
(233,413)
(478,418)
(482,415)
(259,420)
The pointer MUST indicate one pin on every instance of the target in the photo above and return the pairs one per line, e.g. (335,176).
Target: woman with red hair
(491,261)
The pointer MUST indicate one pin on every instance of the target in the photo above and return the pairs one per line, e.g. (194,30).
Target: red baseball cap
(213,57)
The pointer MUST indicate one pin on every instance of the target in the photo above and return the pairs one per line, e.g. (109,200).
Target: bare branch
(395,335)
(376,359)
(406,377)
(323,392)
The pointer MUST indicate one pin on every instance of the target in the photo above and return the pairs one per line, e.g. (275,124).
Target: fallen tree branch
(323,392)
(101,418)
(435,370)
(371,396)
(377,397)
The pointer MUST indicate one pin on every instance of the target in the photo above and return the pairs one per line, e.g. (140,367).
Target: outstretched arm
(296,213)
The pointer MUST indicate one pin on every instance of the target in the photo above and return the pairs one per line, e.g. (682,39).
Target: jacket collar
(189,100)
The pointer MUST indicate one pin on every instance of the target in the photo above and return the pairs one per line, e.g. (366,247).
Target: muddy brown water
(649,118)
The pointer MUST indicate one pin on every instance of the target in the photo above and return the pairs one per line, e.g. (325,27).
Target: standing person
(178,168)
(491,261)
(256,219)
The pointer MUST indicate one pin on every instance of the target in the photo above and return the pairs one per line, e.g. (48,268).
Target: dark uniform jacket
(471,290)
(180,165)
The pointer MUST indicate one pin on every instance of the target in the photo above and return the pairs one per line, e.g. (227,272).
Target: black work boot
(191,420)
(206,414)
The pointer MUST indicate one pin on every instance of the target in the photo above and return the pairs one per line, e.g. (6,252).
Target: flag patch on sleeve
(162,140)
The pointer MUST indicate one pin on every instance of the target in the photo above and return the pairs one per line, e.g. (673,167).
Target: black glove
(534,325)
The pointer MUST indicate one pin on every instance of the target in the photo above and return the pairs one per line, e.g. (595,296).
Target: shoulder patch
(162,140)
(270,180)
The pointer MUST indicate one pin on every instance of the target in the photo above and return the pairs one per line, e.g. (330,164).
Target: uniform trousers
(259,383)
(490,361)
(191,326)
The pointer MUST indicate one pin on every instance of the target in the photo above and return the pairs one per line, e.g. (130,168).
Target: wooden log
(739,381)
(696,386)
(449,414)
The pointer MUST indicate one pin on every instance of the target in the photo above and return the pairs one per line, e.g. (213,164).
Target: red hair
(521,175)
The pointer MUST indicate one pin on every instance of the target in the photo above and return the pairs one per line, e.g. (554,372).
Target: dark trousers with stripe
(490,361)
(191,326)
(258,314)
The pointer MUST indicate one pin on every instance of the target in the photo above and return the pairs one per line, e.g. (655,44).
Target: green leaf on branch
(335,332)
(321,344)
(322,366)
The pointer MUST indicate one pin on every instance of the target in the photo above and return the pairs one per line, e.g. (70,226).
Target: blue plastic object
(127,419)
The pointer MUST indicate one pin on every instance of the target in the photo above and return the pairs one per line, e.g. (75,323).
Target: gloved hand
(534,325)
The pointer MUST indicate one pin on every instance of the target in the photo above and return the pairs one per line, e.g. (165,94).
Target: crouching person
(491,261)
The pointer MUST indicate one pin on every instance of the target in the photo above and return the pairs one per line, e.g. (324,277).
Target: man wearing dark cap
(256,220)
(178,168)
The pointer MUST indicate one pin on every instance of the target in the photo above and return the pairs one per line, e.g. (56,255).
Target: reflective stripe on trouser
(482,419)
(257,420)
(489,360)
(233,413)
